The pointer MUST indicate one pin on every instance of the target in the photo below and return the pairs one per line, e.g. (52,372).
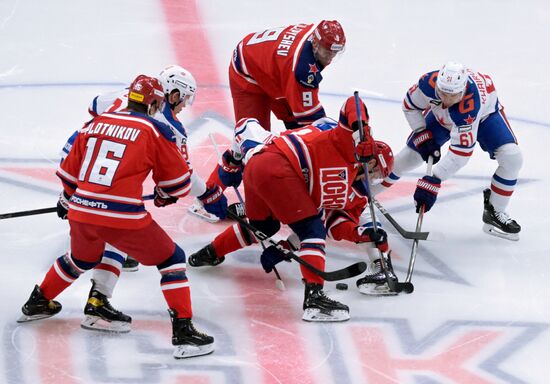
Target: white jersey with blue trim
(461,119)
(250,137)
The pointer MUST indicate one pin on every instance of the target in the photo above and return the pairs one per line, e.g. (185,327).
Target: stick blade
(405,287)
(345,273)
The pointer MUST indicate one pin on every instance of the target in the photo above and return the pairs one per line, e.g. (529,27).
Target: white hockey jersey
(249,136)
(462,119)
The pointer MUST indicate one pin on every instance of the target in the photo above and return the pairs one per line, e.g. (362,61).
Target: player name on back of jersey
(115,131)
(480,85)
(288,39)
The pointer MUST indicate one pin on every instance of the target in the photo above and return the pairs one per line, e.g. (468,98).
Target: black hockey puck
(341,286)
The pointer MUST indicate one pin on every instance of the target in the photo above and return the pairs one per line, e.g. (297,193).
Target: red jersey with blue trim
(110,159)
(326,161)
(118,100)
(281,62)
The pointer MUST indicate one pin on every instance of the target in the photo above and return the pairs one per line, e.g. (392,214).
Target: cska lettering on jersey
(334,187)
(288,39)
(115,131)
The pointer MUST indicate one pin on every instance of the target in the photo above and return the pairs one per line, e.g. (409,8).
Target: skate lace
(503,217)
(194,330)
(108,305)
(323,296)
(376,268)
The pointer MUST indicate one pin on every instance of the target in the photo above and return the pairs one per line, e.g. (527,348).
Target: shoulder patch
(426,83)
(308,70)
(465,112)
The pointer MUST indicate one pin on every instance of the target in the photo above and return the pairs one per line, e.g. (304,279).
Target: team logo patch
(313,68)
(334,187)
(470,120)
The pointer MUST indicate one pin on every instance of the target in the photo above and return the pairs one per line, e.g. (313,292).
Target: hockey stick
(417,235)
(27,213)
(340,274)
(40,211)
(279,283)
(418,227)
(393,285)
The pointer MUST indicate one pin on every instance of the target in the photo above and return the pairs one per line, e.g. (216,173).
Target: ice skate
(101,316)
(38,307)
(198,210)
(205,256)
(375,283)
(496,223)
(188,341)
(130,264)
(319,307)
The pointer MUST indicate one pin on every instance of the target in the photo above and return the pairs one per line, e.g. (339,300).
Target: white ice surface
(480,310)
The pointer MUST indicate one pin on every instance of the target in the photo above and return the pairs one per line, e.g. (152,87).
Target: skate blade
(376,290)
(315,315)
(96,323)
(130,269)
(494,231)
(187,350)
(26,319)
(199,211)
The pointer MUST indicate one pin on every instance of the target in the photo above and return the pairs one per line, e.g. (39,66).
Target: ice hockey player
(350,224)
(103,177)
(279,70)
(180,91)
(461,105)
(286,181)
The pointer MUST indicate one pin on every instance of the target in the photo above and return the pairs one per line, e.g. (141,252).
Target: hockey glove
(214,201)
(237,209)
(426,192)
(423,142)
(364,150)
(368,235)
(162,199)
(271,256)
(230,171)
(63,205)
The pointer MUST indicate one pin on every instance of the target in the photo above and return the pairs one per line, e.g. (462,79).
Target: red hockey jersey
(281,62)
(108,163)
(326,161)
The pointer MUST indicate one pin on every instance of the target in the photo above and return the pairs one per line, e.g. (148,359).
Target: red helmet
(348,115)
(384,158)
(330,35)
(146,90)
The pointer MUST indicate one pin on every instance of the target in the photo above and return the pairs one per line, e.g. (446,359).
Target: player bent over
(462,106)
(353,224)
(290,179)
(103,176)
(279,70)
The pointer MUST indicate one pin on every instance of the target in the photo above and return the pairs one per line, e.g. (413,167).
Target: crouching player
(291,179)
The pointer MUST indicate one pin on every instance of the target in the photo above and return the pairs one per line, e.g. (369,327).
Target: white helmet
(176,77)
(452,78)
